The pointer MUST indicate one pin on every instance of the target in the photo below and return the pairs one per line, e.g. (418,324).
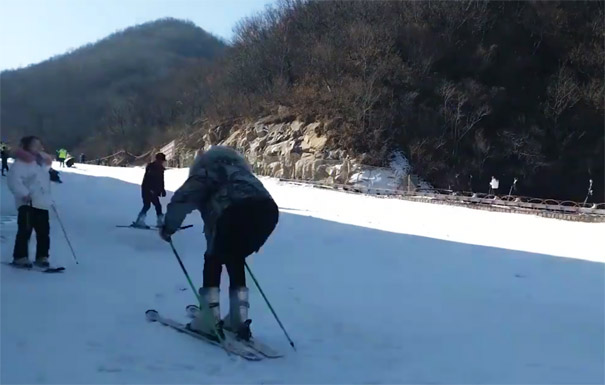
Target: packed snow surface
(372,290)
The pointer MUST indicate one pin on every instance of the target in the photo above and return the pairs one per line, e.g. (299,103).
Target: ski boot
(42,262)
(237,320)
(207,320)
(140,222)
(160,220)
(22,262)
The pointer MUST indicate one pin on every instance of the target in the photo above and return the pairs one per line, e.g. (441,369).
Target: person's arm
(145,181)
(162,186)
(15,183)
(186,199)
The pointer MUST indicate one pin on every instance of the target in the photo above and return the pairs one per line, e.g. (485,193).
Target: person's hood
(218,154)
(29,157)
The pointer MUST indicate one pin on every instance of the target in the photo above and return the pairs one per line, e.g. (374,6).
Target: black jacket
(154,178)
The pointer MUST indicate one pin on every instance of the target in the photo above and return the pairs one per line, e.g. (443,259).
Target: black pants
(150,197)
(32,219)
(62,162)
(213,267)
(4,165)
(242,230)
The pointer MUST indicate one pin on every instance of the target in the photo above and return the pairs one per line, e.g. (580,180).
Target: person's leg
(155,199)
(212,271)
(146,201)
(205,321)
(237,320)
(42,226)
(146,206)
(237,272)
(241,231)
(24,232)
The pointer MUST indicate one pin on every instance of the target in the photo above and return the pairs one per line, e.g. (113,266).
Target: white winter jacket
(28,177)
(494,184)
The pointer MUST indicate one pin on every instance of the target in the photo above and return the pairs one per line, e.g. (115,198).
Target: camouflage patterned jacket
(218,178)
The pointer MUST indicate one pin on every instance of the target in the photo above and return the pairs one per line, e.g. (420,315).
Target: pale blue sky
(34,30)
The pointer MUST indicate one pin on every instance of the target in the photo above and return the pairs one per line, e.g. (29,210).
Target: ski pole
(65,233)
(270,307)
(178,258)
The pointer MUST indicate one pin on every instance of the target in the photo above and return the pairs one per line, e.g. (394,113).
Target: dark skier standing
(152,189)
(4,155)
(239,215)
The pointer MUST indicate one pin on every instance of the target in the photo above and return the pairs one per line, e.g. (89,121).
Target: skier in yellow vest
(62,155)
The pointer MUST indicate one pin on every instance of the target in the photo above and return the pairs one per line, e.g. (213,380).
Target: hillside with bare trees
(465,89)
(513,89)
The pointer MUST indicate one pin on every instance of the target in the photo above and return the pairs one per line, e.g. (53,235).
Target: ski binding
(253,343)
(229,344)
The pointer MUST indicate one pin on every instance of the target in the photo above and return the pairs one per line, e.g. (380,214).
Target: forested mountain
(513,89)
(124,91)
(463,88)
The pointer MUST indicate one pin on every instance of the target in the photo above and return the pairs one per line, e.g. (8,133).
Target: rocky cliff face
(275,146)
(284,147)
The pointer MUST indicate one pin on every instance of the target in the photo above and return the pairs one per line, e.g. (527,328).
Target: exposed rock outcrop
(284,147)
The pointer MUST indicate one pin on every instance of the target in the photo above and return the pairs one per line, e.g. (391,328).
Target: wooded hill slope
(125,91)
(463,88)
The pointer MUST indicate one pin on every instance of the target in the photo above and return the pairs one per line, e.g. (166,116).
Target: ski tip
(152,315)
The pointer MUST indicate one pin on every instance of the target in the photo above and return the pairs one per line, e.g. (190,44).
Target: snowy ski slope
(372,290)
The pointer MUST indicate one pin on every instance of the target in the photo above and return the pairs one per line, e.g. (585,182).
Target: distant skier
(82,158)
(62,155)
(152,189)
(30,184)
(239,215)
(4,155)
(493,186)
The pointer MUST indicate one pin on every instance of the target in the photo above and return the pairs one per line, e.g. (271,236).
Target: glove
(165,235)
(163,193)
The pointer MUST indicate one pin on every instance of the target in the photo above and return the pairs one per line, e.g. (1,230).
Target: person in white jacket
(493,186)
(29,182)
